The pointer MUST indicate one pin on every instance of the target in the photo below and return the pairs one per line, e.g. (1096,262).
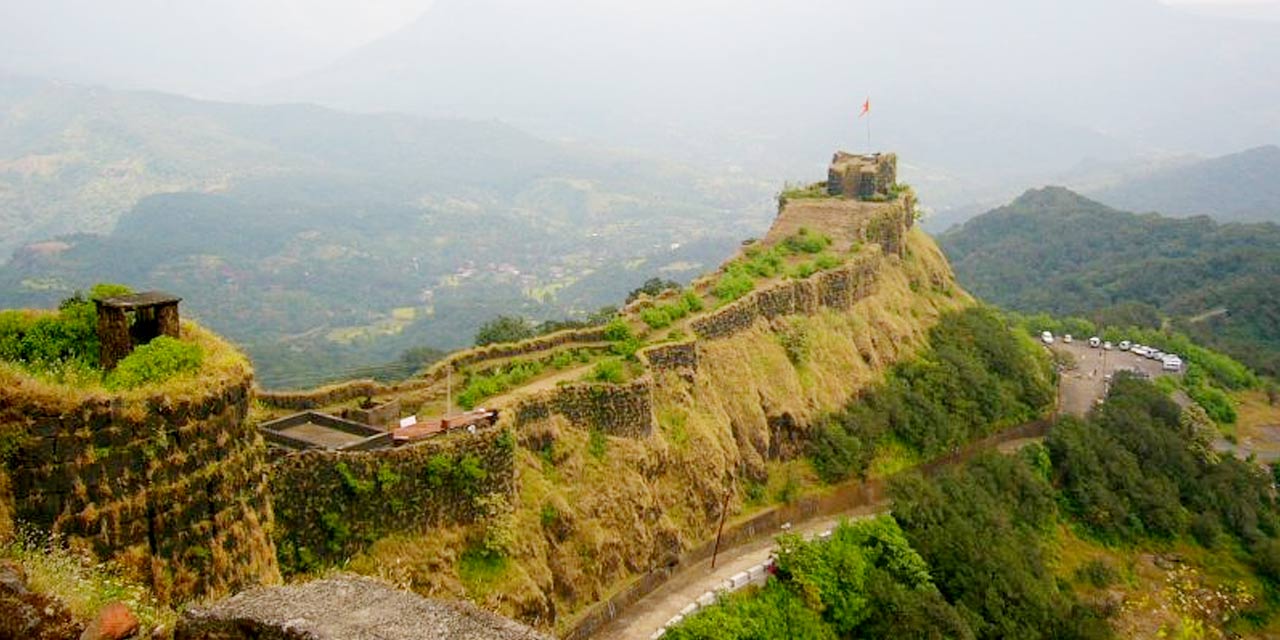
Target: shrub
(806,241)
(154,362)
(827,261)
(733,285)
(1097,573)
(504,329)
(608,371)
(617,331)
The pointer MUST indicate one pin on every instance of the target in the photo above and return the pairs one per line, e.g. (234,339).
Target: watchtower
(124,322)
(862,176)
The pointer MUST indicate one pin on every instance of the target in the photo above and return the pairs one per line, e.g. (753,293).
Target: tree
(504,329)
(652,287)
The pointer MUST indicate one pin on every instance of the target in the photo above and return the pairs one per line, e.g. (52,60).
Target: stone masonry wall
(330,504)
(681,356)
(171,488)
(614,409)
(343,392)
(838,288)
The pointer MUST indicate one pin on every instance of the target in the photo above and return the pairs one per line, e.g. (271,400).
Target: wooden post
(724,511)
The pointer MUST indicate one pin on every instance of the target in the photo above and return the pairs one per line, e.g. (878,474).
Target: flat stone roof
(138,300)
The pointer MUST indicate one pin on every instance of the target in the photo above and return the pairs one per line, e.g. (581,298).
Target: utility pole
(724,510)
(448,390)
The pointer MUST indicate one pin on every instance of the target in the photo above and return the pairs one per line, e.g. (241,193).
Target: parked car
(1095,342)
(1156,354)
(1107,345)
(1047,337)
(1125,344)
(1138,350)
(1171,363)
(1067,338)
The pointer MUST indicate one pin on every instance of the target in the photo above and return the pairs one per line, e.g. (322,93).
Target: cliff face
(727,409)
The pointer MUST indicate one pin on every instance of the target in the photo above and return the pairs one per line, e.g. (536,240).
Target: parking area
(1084,383)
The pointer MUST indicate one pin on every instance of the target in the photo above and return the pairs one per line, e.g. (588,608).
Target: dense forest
(1057,541)
(1057,252)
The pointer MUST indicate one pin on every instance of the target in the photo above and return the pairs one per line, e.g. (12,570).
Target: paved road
(1080,389)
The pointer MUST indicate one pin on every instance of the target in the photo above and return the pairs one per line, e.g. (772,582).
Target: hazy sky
(231,45)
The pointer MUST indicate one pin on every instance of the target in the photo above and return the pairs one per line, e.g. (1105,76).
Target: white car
(1107,345)
(1125,344)
(1171,363)
(1138,350)
(1046,337)
(1095,342)
(1156,354)
(1067,338)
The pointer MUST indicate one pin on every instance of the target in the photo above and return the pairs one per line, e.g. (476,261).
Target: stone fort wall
(170,487)
(329,505)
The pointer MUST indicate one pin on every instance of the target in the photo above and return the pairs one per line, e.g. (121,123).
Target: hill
(751,86)
(1236,187)
(327,242)
(1055,251)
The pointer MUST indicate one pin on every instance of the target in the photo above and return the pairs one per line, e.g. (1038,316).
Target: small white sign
(408,422)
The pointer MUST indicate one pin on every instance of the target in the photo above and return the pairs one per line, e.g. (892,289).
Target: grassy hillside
(326,241)
(594,510)
(1237,187)
(1052,250)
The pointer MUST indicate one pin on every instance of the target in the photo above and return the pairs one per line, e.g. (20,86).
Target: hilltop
(1240,187)
(1055,251)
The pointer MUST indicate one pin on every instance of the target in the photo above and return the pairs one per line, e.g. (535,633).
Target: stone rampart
(839,288)
(679,356)
(330,504)
(614,409)
(351,390)
(171,487)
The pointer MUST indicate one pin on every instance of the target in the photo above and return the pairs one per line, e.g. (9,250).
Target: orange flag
(866,108)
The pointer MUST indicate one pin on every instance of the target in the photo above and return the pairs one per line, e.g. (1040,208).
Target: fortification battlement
(862,175)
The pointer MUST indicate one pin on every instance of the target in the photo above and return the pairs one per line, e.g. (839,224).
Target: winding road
(1081,386)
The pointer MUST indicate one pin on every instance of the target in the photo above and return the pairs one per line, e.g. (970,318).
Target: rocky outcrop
(29,615)
(345,607)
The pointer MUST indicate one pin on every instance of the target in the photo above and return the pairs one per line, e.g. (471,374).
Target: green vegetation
(63,347)
(504,329)
(738,278)
(1056,252)
(84,584)
(502,379)
(611,370)
(836,588)
(975,550)
(156,361)
(652,288)
(977,376)
(663,315)
(800,192)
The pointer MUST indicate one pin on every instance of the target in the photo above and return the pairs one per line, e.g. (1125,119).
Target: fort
(179,485)
(862,176)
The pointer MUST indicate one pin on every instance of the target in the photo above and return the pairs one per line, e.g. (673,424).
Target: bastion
(168,480)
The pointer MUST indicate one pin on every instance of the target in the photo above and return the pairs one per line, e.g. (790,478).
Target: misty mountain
(973,95)
(325,240)
(1242,186)
(1054,251)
